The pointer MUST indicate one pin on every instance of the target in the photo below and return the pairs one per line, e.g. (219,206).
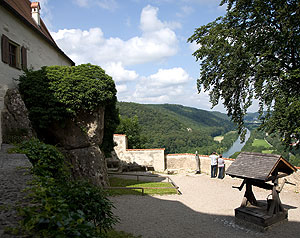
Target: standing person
(221,166)
(197,163)
(214,163)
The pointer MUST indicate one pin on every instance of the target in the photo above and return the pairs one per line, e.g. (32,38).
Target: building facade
(25,43)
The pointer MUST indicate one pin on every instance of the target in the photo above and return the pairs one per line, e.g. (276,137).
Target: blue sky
(142,44)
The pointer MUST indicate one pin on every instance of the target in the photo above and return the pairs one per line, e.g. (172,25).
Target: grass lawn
(260,142)
(267,151)
(119,182)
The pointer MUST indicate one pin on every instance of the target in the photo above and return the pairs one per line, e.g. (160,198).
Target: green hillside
(179,129)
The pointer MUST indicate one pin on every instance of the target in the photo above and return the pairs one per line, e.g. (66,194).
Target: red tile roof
(22,10)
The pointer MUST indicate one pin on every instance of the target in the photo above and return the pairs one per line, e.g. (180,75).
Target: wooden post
(276,205)
(248,196)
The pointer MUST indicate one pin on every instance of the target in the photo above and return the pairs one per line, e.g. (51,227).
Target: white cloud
(185,11)
(105,4)
(82,3)
(163,86)
(157,42)
(168,77)
(149,21)
(121,88)
(118,73)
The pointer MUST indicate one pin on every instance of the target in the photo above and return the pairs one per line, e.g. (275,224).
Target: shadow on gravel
(158,218)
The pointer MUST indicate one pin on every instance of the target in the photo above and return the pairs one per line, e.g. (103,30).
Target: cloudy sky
(142,44)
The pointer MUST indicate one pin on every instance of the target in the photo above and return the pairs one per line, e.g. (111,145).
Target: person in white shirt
(221,166)
(214,163)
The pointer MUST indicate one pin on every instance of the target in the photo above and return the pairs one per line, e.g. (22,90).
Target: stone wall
(187,163)
(153,158)
(156,158)
(295,179)
(147,157)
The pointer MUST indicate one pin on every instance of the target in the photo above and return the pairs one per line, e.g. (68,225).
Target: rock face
(16,125)
(89,163)
(83,131)
(80,139)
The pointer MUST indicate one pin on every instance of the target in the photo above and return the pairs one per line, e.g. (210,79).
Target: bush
(55,93)
(71,209)
(46,159)
(61,207)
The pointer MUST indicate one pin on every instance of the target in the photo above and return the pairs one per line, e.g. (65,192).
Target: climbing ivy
(55,93)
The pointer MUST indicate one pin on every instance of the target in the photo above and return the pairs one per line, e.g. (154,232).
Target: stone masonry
(2,94)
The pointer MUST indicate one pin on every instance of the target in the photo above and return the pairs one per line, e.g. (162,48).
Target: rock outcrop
(80,139)
(16,125)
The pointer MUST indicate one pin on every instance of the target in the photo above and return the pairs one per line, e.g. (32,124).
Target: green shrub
(55,93)
(71,209)
(47,160)
(61,207)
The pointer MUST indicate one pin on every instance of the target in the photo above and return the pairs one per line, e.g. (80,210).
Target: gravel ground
(205,209)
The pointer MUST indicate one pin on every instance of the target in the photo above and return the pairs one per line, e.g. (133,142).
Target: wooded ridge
(180,129)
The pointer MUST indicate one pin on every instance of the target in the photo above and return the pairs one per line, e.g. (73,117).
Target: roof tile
(258,166)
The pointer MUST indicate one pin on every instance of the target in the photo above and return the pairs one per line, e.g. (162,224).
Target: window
(12,51)
(12,54)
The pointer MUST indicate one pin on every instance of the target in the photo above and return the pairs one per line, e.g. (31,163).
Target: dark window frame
(13,54)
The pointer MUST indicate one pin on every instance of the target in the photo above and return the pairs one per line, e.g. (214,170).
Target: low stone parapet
(146,157)
(187,163)
(153,158)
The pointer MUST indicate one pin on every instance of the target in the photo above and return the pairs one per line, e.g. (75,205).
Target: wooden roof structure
(258,166)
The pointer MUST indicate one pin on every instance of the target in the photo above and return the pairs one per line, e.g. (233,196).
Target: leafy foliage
(61,207)
(55,93)
(179,129)
(46,159)
(253,52)
(132,129)
(67,209)
(274,146)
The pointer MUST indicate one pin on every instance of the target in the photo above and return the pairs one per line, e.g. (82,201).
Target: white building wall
(39,51)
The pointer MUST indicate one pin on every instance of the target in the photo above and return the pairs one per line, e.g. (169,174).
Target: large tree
(253,53)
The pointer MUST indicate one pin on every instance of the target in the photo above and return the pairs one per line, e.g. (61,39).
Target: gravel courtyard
(205,209)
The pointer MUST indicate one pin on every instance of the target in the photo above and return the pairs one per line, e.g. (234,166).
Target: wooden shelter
(261,170)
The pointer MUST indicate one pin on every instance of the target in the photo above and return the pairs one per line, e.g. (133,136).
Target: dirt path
(206,209)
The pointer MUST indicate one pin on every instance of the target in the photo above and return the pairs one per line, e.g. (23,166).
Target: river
(237,145)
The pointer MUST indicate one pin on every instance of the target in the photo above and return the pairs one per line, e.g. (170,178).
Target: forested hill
(177,128)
